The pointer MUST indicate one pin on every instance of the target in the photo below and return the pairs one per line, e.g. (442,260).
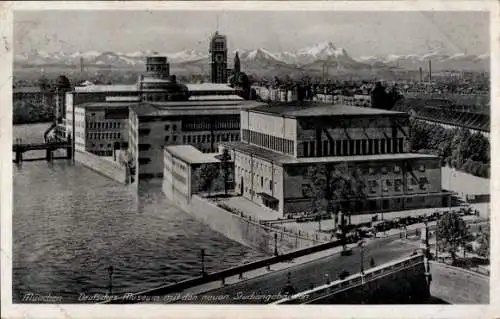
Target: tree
(484,244)
(452,232)
(225,160)
(207,175)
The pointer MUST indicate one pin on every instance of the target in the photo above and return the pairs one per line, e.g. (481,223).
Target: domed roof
(62,82)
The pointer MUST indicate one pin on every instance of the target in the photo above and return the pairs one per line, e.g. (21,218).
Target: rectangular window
(351,147)
(389,146)
(312,149)
(325,148)
(400,146)
(306,148)
(338,148)
(382,146)
(345,146)
(358,147)
(370,147)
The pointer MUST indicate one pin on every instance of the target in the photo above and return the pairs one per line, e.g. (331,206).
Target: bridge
(399,281)
(302,269)
(19,148)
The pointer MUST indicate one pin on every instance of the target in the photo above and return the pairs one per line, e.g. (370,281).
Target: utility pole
(275,244)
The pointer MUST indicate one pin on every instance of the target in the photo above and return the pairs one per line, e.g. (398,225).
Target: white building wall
(80,124)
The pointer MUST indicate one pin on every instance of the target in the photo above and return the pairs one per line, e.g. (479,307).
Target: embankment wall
(103,166)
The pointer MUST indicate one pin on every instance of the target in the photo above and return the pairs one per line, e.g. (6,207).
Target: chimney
(421,75)
(81,64)
(430,71)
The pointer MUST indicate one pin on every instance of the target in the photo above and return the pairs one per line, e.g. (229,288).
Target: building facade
(202,124)
(362,154)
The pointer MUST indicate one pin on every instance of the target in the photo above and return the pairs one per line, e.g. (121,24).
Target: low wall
(459,286)
(400,282)
(103,166)
(244,231)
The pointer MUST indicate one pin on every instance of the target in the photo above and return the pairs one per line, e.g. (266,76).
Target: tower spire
(217,25)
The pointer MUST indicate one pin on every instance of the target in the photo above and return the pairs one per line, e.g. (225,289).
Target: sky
(360,33)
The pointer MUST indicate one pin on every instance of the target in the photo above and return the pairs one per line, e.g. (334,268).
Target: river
(70,224)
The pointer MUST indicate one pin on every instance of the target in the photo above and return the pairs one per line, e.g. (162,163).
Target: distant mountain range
(310,59)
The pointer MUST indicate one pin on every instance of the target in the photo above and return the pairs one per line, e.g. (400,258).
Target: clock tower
(218,58)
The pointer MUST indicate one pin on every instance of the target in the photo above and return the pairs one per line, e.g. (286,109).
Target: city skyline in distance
(360,33)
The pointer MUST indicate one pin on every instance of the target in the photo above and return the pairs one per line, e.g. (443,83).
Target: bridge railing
(238,270)
(351,281)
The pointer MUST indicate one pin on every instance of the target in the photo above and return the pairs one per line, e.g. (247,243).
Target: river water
(70,224)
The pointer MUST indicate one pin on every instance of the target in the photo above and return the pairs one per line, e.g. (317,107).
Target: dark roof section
(192,107)
(444,112)
(282,159)
(317,110)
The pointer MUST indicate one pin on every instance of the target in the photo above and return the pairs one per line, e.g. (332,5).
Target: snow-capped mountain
(259,56)
(186,55)
(324,51)
(312,57)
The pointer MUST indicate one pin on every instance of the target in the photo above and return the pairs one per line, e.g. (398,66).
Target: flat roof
(191,154)
(231,97)
(106,88)
(208,87)
(287,159)
(317,109)
(123,98)
(192,107)
(106,104)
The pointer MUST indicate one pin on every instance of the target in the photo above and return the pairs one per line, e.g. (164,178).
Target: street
(307,275)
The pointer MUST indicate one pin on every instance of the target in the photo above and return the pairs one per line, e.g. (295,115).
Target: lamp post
(362,245)
(362,270)
(203,273)
(110,275)
(425,248)
(275,244)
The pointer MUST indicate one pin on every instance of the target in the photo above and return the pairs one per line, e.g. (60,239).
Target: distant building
(281,145)
(218,58)
(33,95)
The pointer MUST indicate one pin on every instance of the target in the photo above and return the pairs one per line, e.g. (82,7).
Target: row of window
(174,127)
(206,138)
(109,145)
(104,136)
(104,125)
(353,147)
(206,125)
(102,153)
(269,141)
(257,177)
